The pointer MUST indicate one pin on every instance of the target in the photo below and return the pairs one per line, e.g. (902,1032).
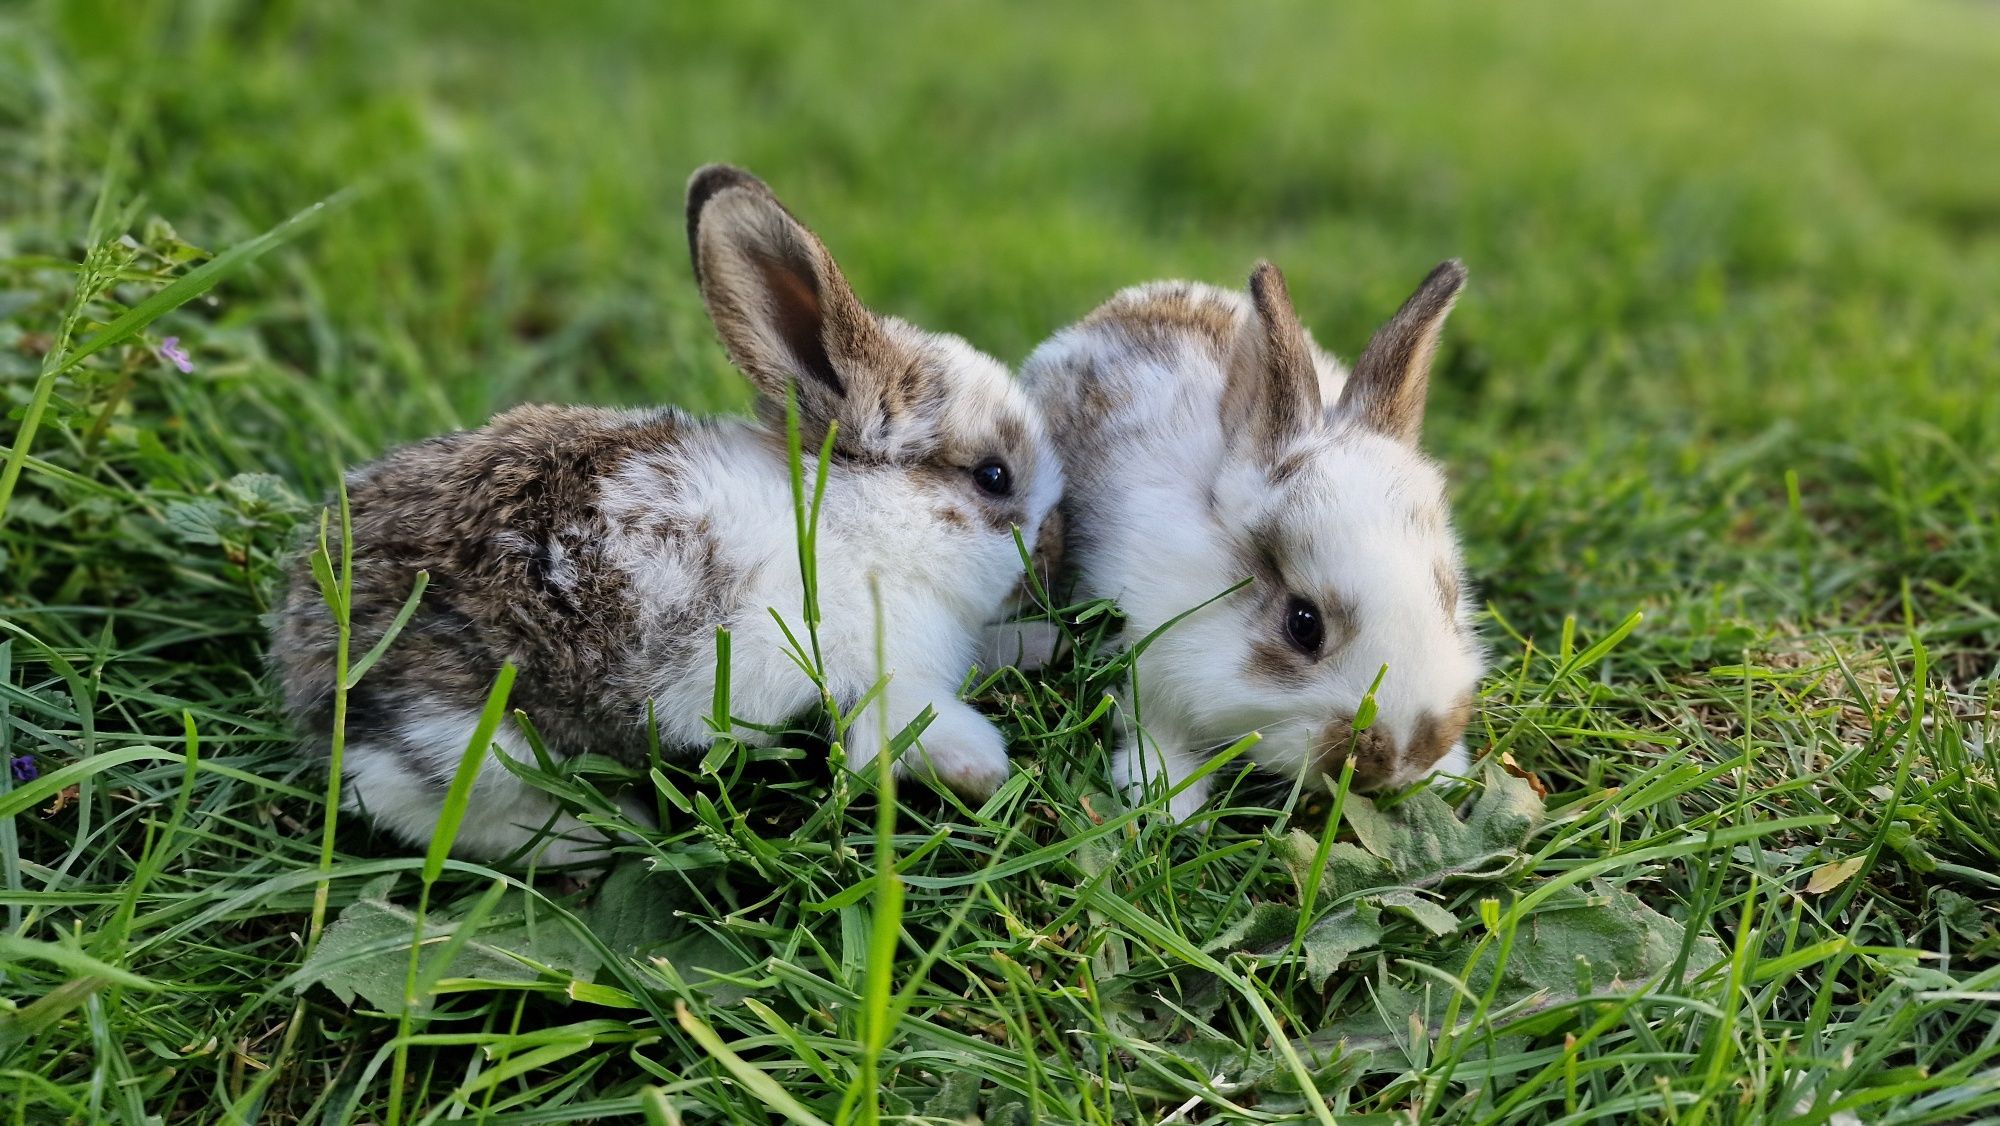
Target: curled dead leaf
(64,797)
(1830,876)
(1089,811)
(1508,764)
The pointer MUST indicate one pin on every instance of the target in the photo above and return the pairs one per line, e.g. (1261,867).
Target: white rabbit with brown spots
(600,550)
(1206,441)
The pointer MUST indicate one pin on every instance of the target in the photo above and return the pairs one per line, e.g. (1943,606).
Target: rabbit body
(1207,441)
(599,551)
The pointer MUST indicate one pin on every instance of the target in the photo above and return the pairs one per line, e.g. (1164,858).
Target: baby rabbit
(1206,440)
(599,550)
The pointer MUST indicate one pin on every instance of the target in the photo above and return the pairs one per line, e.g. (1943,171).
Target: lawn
(1721,408)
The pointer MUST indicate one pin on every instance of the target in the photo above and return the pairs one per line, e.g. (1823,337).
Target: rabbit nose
(1374,753)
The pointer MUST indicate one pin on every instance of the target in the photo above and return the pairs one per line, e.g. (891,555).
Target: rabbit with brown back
(1206,441)
(600,550)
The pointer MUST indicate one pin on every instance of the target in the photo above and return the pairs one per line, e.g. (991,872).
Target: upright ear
(1272,395)
(780,304)
(1391,380)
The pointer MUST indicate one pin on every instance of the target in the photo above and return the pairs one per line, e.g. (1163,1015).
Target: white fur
(878,536)
(505,814)
(1158,512)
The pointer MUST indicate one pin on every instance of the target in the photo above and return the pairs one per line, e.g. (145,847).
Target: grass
(1729,362)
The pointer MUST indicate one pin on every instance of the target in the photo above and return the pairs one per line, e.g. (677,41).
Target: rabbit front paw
(961,749)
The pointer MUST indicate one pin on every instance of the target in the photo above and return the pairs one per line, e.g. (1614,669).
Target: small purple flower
(24,769)
(172,352)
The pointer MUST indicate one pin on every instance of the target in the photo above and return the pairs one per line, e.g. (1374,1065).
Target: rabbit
(1206,440)
(599,551)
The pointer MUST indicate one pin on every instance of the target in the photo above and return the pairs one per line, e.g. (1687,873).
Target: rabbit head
(1343,524)
(925,404)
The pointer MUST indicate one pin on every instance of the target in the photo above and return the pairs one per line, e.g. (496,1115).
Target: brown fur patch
(1273,391)
(1275,660)
(1447,587)
(506,521)
(1051,546)
(1290,466)
(1434,735)
(1075,410)
(1374,757)
(1178,310)
(1342,624)
(1012,432)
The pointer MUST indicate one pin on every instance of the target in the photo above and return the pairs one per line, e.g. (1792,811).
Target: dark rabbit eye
(1304,627)
(992,477)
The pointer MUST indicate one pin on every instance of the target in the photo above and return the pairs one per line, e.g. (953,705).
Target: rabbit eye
(1304,626)
(992,477)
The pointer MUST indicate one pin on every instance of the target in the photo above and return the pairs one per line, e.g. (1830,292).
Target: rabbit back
(510,524)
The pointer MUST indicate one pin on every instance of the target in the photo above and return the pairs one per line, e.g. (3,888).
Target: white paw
(961,749)
(1141,780)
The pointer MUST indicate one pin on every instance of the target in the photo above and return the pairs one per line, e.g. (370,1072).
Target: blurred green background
(1708,242)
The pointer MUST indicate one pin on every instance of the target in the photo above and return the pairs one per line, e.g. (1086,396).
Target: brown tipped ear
(1391,380)
(779,302)
(1272,394)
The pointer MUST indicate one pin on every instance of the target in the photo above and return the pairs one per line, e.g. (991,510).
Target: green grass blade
(360,668)
(170,297)
(458,796)
(762,1086)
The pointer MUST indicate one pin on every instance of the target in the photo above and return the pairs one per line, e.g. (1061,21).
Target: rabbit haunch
(600,550)
(1207,440)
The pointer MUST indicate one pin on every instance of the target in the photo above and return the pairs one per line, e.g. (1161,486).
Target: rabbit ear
(1272,394)
(1391,380)
(781,305)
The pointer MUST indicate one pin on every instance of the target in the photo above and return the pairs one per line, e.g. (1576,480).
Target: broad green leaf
(1348,869)
(1622,940)
(365,953)
(633,911)
(263,491)
(1339,937)
(200,521)
(957,1098)
(1429,915)
(1424,843)
(639,913)
(1600,942)
(1264,925)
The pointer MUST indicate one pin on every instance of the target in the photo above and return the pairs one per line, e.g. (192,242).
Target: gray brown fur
(485,513)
